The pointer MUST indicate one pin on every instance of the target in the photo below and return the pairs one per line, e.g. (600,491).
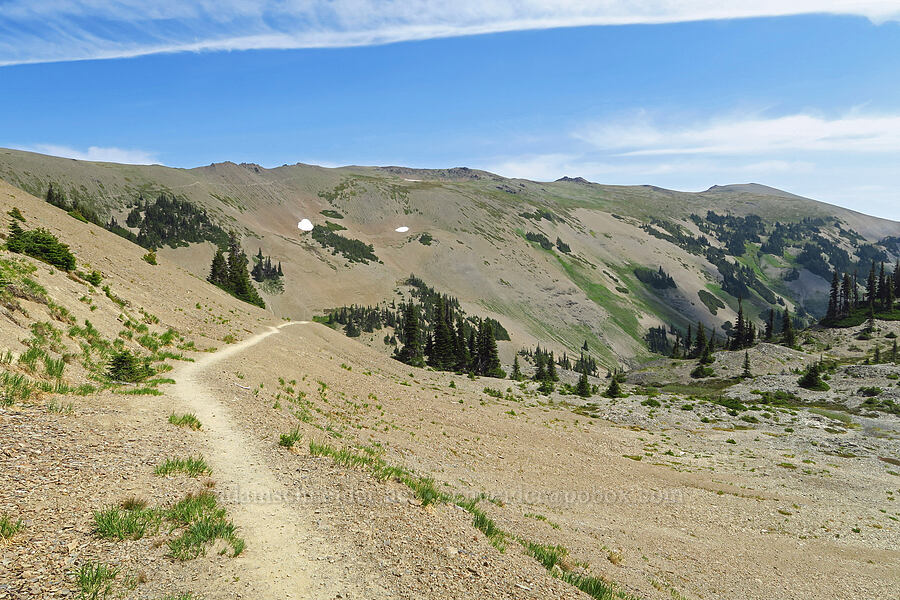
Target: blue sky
(675,94)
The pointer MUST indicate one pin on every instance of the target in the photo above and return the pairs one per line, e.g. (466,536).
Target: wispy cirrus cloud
(747,135)
(128,156)
(58,30)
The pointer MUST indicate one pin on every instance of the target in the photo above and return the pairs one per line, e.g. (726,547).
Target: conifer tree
(489,359)
(614,390)
(894,352)
(877,356)
(871,286)
(740,333)
(351,329)
(463,359)
(897,279)
(218,272)
(516,372)
(540,371)
(770,325)
(833,299)
(788,337)
(882,288)
(700,344)
(746,374)
(411,353)
(583,388)
(846,295)
(551,368)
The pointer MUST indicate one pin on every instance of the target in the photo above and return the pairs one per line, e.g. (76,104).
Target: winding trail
(273,564)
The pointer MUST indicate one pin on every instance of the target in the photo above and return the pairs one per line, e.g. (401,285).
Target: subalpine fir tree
(411,353)
(788,337)
(351,329)
(516,371)
(894,352)
(846,295)
(540,370)
(897,279)
(614,390)
(770,325)
(238,278)
(882,288)
(701,343)
(551,368)
(871,286)
(746,373)
(488,358)
(218,272)
(740,328)
(831,314)
(583,388)
(463,359)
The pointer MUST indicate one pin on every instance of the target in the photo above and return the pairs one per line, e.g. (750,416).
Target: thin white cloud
(749,135)
(98,154)
(57,30)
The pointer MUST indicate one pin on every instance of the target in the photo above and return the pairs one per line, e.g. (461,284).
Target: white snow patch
(305,225)
(403,229)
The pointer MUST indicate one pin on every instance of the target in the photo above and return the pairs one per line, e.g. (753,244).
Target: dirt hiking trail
(276,563)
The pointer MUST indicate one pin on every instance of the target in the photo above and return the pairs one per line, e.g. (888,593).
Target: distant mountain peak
(566,178)
(751,188)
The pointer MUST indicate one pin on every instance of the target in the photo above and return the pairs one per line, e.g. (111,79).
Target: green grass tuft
(95,580)
(133,523)
(9,526)
(188,420)
(192,466)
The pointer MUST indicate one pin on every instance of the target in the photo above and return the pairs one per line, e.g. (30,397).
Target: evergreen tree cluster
(78,207)
(658,279)
(695,343)
(362,318)
(539,238)
(451,345)
(743,335)
(430,328)
(41,244)
(264,269)
(169,221)
(658,340)
(231,274)
(879,294)
(351,249)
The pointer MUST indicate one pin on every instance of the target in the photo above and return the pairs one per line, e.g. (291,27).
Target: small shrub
(651,402)
(94,278)
(149,258)
(42,245)
(870,391)
(812,379)
(125,366)
(16,214)
(701,371)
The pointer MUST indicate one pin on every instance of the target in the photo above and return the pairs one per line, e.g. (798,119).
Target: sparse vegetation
(188,420)
(193,466)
